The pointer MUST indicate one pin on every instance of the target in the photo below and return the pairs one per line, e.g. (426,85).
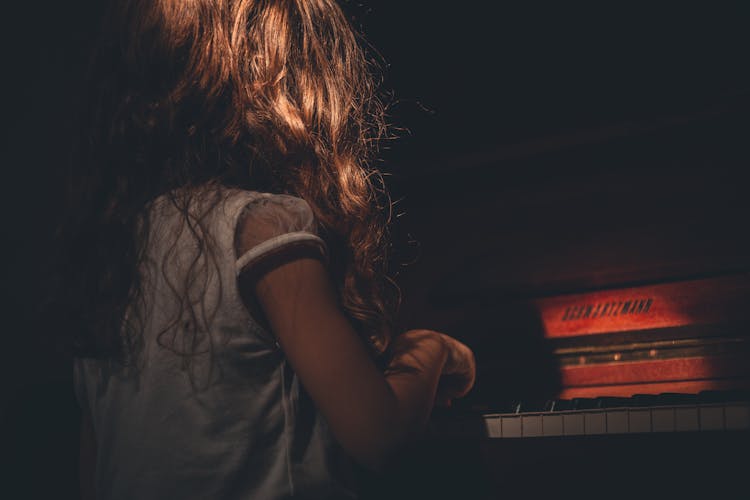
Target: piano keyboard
(642,413)
(682,418)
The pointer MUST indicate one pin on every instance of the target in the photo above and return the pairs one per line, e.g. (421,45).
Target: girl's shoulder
(274,212)
(269,223)
(243,220)
(236,205)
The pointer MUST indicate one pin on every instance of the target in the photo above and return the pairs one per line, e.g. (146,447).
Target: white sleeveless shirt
(244,428)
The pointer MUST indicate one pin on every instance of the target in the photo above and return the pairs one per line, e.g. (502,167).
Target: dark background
(541,149)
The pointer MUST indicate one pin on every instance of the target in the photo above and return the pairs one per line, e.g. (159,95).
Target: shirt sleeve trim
(274,244)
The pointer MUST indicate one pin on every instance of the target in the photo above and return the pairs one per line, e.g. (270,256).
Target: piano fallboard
(663,305)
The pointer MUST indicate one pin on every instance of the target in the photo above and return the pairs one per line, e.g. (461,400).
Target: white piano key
(711,418)
(552,425)
(617,421)
(531,425)
(595,423)
(494,429)
(573,424)
(511,426)
(737,416)
(639,420)
(686,419)
(662,420)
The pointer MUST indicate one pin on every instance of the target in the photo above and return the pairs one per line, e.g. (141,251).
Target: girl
(225,282)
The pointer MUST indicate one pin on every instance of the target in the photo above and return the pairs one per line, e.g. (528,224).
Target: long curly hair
(266,95)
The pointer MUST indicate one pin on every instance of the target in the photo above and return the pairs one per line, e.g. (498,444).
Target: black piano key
(612,402)
(559,405)
(637,400)
(533,406)
(712,396)
(583,403)
(736,395)
(675,399)
(509,407)
(644,400)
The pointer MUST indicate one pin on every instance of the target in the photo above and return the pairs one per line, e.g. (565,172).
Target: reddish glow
(663,370)
(638,308)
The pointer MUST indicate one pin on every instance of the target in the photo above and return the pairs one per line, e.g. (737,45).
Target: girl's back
(231,422)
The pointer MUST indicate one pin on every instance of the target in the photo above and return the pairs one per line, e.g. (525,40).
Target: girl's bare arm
(369,413)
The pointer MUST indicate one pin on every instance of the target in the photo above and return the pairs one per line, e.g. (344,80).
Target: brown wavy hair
(267,95)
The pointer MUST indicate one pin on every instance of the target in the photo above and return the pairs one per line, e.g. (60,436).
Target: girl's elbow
(375,449)
(374,458)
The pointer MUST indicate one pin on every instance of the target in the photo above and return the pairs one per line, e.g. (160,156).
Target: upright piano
(605,290)
(668,357)
(641,391)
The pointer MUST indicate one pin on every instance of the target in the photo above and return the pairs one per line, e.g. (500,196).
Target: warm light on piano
(687,336)
(647,307)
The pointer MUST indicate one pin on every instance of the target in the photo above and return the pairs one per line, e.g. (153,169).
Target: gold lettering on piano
(608,309)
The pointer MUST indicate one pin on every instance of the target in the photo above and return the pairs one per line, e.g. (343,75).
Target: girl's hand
(459,372)
(412,347)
